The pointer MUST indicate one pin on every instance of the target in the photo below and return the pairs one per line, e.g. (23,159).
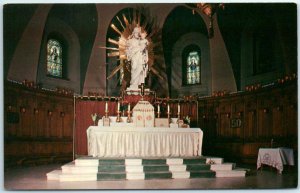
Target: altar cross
(142,87)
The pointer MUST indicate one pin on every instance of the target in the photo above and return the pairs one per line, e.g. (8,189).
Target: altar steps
(93,169)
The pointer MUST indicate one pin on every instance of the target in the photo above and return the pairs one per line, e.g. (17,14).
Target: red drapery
(84,108)
(133,99)
(83,119)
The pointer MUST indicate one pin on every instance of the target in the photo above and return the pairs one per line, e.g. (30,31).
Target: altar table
(275,157)
(143,142)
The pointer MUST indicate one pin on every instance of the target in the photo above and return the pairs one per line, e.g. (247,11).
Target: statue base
(134,90)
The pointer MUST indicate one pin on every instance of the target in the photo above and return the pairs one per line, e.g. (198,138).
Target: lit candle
(106,106)
(168,108)
(129,107)
(118,106)
(178,108)
(158,108)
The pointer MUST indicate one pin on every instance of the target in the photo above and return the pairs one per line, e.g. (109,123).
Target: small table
(275,157)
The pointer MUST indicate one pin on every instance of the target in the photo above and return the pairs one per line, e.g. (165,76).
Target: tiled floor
(35,178)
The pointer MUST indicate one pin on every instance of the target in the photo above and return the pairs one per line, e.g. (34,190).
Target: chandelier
(209,9)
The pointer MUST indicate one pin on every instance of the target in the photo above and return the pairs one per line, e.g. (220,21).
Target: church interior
(222,75)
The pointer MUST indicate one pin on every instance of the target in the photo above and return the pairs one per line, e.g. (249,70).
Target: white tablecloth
(144,142)
(275,157)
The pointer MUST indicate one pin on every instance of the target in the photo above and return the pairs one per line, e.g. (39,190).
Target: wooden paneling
(266,114)
(43,129)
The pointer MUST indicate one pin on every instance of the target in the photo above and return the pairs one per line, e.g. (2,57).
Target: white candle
(158,108)
(168,108)
(106,106)
(178,108)
(129,107)
(118,106)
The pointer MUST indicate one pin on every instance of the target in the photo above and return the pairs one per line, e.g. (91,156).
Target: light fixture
(209,9)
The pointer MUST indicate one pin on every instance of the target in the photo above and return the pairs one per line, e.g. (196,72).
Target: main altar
(143,134)
(130,141)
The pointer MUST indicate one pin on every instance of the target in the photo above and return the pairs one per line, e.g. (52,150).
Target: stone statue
(137,54)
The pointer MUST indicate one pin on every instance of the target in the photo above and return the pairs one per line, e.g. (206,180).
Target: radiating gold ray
(109,48)
(134,18)
(117,82)
(113,54)
(116,29)
(144,25)
(129,17)
(113,41)
(123,56)
(121,23)
(139,18)
(125,20)
(156,73)
(115,70)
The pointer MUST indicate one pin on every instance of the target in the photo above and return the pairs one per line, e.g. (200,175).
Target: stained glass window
(54,58)
(193,68)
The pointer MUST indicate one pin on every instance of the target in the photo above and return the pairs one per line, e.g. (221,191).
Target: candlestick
(158,114)
(168,108)
(118,116)
(129,107)
(178,115)
(118,106)
(129,120)
(169,116)
(158,108)
(106,110)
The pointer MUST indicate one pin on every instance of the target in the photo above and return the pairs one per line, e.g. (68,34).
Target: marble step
(72,168)
(158,175)
(202,174)
(111,168)
(75,177)
(133,161)
(231,173)
(93,169)
(111,176)
(54,175)
(197,167)
(221,167)
(129,176)
(111,161)
(194,161)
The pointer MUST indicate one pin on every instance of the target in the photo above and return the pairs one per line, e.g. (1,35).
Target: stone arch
(267,29)
(59,29)
(177,88)
(179,22)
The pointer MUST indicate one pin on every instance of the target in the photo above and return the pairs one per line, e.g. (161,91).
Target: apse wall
(230,50)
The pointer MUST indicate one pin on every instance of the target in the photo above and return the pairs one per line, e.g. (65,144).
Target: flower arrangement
(94,117)
(187,120)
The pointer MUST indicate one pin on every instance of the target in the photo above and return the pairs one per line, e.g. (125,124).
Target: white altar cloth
(275,157)
(143,142)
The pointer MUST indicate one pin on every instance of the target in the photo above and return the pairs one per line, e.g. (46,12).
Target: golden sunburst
(118,46)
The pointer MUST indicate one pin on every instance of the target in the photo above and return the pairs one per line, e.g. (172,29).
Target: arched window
(191,65)
(193,68)
(54,58)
